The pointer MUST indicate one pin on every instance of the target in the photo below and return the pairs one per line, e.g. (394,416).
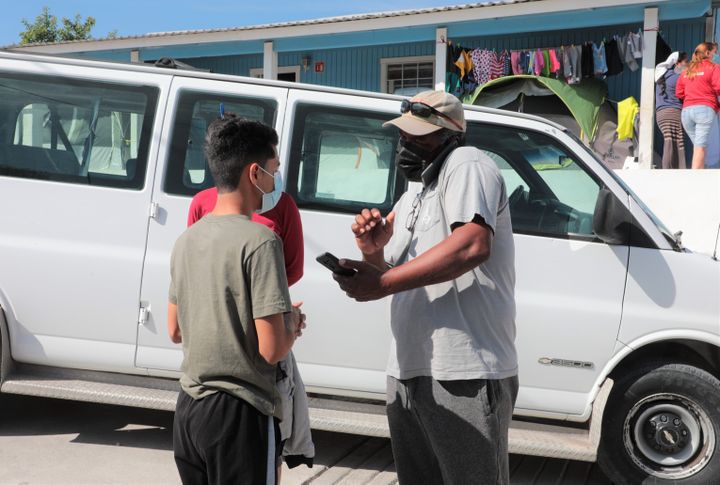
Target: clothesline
(469,68)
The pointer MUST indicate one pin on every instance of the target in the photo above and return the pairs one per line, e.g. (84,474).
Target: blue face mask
(270,199)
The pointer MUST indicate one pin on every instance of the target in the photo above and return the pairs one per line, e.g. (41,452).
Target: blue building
(399,52)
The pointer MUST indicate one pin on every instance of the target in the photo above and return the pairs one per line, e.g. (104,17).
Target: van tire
(662,426)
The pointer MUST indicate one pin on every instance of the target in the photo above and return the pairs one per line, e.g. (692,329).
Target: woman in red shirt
(699,88)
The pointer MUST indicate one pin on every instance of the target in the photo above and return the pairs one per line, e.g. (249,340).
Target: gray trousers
(450,432)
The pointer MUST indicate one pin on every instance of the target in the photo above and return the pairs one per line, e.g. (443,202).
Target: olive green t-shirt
(226,271)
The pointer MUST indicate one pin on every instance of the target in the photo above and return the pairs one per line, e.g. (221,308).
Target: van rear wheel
(662,426)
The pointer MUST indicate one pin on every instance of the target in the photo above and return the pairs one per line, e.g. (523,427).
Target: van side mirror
(612,221)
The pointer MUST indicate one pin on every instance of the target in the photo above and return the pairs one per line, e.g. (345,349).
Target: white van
(618,325)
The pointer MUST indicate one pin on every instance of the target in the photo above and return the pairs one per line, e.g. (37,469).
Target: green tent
(583,100)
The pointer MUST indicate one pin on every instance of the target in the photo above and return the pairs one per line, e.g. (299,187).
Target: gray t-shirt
(463,328)
(226,271)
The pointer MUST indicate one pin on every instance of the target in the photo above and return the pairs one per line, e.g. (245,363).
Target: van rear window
(342,160)
(76,131)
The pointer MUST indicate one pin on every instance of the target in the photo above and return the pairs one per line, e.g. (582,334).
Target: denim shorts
(697,121)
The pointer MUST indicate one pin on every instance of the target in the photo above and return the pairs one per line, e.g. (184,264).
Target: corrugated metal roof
(297,23)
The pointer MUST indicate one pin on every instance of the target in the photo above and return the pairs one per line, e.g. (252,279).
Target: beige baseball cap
(446,112)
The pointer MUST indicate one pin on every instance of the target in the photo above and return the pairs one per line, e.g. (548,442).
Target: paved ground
(46,441)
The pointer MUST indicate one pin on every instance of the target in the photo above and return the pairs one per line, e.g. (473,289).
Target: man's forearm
(464,250)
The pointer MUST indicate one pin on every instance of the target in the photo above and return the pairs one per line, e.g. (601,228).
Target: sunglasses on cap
(424,111)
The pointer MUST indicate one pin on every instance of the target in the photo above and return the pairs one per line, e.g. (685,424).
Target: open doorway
(285,73)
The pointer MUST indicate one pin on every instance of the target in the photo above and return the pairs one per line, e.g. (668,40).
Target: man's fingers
(390,219)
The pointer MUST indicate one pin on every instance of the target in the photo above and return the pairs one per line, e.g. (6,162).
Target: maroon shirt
(283,219)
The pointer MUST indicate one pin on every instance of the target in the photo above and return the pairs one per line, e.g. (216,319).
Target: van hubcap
(668,436)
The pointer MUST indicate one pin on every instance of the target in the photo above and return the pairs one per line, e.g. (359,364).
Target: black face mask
(421,165)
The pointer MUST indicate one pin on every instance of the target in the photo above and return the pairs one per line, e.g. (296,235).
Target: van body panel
(72,252)
(670,291)
(154,348)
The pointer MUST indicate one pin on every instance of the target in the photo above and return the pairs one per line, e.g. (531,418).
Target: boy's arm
(173,326)
(277,334)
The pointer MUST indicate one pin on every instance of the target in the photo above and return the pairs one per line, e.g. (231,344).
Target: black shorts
(223,439)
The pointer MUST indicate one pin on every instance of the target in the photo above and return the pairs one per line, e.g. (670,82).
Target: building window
(407,75)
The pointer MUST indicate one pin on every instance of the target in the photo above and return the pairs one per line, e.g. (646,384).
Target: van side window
(342,160)
(549,191)
(188,172)
(75,131)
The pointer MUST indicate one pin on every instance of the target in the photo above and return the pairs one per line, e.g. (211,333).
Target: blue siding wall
(359,67)
(238,65)
(356,68)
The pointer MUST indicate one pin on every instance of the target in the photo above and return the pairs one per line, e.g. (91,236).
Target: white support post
(270,61)
(440,57)
(134,55)
(647,89)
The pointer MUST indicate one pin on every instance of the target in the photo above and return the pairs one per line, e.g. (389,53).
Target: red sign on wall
(320,66)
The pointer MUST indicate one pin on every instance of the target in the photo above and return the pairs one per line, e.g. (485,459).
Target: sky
(135,17)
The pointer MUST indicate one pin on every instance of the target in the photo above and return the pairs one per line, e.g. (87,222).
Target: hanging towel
(531,62)
(627,111)
(507,67)
(663,67)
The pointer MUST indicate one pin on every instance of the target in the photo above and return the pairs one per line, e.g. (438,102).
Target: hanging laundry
(599,60)
(546,63)
(464,63)
(587,67)
(627,111)
(507,68)
(559,56)
(531,62)
(452,73)
(482,62)
(515,62)
(612,57)
(627,55)
(539,63)
(635,41)
(662,50)
(497,64)
(554,62)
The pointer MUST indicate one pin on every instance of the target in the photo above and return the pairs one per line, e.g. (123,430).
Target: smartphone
(331,262)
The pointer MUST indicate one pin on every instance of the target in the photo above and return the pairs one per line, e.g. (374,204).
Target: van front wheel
(662,426)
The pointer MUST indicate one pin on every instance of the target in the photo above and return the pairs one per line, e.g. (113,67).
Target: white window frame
(257,72)
(385,62)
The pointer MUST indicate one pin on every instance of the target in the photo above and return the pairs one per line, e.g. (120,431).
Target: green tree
(45,28)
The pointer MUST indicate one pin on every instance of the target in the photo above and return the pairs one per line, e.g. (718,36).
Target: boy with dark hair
(230,307)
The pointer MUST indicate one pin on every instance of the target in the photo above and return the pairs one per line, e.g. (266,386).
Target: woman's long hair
(682,56)
(701,54)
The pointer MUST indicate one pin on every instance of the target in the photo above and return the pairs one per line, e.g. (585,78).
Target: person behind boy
(230,307)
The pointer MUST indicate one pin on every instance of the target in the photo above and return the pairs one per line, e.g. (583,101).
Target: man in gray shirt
(230,308)
(449,264)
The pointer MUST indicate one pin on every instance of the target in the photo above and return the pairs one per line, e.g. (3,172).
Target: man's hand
(371,232)
(365,285)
